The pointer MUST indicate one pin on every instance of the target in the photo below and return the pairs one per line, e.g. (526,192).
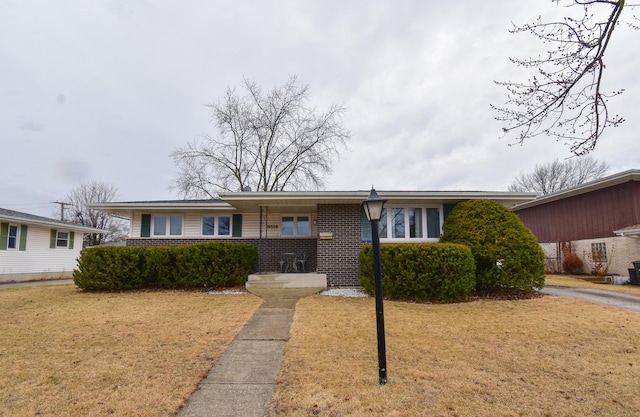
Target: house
(599,221)
(35,248)
(327,228)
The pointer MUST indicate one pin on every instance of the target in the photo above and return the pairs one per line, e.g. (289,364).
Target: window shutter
(365,226)
(4,235)
(52,239)
(23,237)
(145,228)
(446,209)
(71,236)
(237,225)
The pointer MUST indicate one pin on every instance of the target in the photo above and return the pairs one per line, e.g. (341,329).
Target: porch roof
(308,201)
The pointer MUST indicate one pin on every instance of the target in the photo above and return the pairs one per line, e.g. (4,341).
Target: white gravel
(227,292)
(345,292)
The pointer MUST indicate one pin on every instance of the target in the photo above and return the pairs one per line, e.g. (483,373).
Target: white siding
(38,258)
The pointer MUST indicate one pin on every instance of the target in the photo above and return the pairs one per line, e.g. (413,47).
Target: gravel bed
(345,292)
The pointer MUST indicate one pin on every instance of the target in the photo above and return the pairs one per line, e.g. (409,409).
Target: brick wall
(269,251)
(339,257)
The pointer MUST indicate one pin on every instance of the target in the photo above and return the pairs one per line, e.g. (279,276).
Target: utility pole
(62,204)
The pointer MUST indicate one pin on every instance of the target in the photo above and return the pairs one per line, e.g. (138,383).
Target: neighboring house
(34,247)
(329,227)
(599,221)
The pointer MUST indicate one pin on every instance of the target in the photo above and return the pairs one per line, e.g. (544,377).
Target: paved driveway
(35,283)
(614,299)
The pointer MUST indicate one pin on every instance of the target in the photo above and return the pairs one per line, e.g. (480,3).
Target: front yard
(64,352)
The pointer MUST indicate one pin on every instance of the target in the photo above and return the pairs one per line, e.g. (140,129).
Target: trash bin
(636,269)
(633,277)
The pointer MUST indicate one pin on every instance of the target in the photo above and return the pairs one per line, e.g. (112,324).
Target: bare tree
(76,200)
(559,175)
(270,141)
(565,97)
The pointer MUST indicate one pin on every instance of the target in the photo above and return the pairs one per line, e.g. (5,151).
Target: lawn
(68,353)
(65,352)
(550,356)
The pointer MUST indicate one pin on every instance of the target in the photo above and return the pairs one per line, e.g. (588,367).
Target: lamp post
(373,206)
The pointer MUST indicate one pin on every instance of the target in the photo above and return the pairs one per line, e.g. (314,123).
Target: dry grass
(565,281)
(68,353)
(548,356)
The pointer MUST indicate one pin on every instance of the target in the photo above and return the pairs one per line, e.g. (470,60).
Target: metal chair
(281,262)
(302,259)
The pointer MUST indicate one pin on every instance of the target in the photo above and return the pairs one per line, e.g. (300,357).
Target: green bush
(420,271)
(207,265)
(493,232)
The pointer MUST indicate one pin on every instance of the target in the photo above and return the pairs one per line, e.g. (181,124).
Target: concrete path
(242,382)
(612,298)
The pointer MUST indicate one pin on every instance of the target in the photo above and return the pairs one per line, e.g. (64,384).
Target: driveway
(614,299)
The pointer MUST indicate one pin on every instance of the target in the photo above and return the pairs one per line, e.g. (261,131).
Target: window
(409,223)
(12,241)
(163,225)
(599,252)
(62,239)
(295,226)
(216,226)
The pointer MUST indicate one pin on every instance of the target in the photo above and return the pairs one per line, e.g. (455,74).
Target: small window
(295,226)
(216,226)
(599,252)
(163,224)
(62,239)
(12,242)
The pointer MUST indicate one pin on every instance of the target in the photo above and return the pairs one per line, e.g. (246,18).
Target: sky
(105,90)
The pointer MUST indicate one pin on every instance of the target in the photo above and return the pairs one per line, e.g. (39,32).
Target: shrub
(494,233)
(204,265)
(572,264)
(420,271)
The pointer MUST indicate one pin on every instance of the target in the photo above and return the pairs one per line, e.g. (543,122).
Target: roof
(606,182)
(26,218)
(306,201)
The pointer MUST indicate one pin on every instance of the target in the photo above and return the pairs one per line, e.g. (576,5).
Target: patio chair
(281,262)
(302,260)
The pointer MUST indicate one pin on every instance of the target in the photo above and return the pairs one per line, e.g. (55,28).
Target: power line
(62,204)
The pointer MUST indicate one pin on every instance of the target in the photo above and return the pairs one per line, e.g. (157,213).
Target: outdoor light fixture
(373,206)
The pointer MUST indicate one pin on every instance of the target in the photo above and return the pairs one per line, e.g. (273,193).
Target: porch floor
(277,280)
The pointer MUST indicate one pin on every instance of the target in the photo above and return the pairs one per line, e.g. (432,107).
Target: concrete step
(275,280)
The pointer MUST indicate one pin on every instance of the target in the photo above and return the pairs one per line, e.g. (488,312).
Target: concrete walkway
(35,283)
(242,382)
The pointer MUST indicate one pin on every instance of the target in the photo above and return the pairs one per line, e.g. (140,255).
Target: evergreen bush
(494,233)
(421,271)
(207,265)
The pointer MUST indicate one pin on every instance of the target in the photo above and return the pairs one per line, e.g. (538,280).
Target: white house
(35,248)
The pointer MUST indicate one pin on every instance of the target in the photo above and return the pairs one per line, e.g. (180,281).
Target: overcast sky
(107,89)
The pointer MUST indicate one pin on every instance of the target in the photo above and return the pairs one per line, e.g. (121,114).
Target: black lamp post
(373,206)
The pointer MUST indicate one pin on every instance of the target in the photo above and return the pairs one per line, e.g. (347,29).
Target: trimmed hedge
(421,271)
(206,265)
(493,232)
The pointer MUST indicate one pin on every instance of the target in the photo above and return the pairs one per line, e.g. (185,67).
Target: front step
(276,280)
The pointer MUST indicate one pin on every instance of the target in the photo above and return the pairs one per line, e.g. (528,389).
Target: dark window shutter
(71,236)
(23,237)
(145,228)
(52,239)
(446,209)
(365,226)
(237,225)
(4,235)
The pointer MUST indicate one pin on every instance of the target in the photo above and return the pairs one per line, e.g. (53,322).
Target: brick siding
(339,257)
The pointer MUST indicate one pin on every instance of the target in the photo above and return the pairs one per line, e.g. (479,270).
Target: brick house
(599,221)
(329,227)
